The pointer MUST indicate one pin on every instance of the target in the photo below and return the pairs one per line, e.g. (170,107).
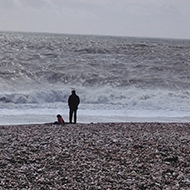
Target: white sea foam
(97,105)
(16,116)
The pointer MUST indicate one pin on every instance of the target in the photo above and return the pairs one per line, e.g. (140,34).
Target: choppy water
(114,76)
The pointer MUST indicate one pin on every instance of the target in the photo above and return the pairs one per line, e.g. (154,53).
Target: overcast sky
(144,18)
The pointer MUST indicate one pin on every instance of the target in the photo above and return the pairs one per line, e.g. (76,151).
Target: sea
(118,79)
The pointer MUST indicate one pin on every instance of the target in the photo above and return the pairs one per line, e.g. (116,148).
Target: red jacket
(60,120)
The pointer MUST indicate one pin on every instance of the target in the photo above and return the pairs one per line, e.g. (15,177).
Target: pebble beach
(125,156)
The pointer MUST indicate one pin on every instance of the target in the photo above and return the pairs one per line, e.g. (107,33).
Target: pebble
(95,156)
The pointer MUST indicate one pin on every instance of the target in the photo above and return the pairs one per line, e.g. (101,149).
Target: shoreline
(101,123)
(124,155)
(15,120)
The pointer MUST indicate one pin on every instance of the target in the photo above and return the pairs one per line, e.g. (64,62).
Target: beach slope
(95,156)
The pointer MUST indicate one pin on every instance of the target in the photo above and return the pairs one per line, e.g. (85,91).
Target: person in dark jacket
(73,103)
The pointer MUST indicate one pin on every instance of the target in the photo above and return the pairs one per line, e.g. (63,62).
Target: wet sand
(134,156)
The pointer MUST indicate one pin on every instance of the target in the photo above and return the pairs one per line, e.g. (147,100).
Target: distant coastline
(95,35)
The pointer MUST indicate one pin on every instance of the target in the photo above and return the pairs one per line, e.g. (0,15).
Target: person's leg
(70,115)
(75,116)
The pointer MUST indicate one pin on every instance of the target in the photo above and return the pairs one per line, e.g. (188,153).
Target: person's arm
(69,101)
(78,100)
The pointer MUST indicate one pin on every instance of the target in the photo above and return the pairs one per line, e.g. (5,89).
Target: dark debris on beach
(128,156)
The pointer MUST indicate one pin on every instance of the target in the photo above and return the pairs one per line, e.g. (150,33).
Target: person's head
(73,92)
(58,116)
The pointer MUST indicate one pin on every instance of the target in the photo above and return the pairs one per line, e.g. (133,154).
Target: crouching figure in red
(60,120)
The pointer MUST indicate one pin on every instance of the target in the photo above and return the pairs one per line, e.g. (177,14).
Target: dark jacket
(73,101)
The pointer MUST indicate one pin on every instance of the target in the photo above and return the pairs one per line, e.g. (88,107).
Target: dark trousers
(71,112)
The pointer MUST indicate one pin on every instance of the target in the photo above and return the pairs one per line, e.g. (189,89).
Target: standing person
(73,103)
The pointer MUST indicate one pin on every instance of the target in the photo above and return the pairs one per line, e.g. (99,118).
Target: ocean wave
(129,73)
(114,98)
